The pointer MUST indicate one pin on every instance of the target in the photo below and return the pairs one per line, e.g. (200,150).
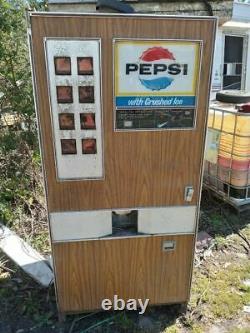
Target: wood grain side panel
(88,272)
(141,169)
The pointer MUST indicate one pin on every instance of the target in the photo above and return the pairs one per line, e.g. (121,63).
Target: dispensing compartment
(154,221)
(124,223)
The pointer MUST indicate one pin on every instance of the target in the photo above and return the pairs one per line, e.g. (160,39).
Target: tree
(15,73)
(15,76)
(19,154)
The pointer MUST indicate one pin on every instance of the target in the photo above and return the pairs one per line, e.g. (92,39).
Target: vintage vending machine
(122,107)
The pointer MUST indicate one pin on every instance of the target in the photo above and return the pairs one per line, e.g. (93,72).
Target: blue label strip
(155,101)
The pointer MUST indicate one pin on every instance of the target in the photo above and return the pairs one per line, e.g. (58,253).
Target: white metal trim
(80,225)
(168,220)
(72,226)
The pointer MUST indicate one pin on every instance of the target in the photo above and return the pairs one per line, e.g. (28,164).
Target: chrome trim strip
(156,16)
(202,162)
(41,148)
(122,237)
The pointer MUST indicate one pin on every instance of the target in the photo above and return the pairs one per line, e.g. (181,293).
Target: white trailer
(232,51)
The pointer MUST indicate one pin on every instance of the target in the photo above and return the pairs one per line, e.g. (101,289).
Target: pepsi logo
(157,68)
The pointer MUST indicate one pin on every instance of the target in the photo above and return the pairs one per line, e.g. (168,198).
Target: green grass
(171,329)
(221,292)
(124,322)
(240,330)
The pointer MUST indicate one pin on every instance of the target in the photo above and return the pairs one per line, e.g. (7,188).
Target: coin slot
(168,245)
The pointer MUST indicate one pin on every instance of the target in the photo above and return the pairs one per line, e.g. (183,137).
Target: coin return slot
(85,66)
(64,94)
(87,121)
(86,94)
(168,245)
(68,146)
(62,65)
(66,121)
(124,223)
(189,192)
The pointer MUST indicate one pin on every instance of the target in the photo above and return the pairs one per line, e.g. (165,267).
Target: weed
(220,242)
(124,321)
(221,291)
(197,329)
(172,329)
(240,330)
(216,221)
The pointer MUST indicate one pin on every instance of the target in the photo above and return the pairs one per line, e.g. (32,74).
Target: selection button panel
(74,76)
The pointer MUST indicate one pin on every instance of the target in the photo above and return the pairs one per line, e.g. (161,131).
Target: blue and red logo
(157,68)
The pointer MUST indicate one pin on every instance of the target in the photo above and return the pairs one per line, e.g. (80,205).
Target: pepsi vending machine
(122,108)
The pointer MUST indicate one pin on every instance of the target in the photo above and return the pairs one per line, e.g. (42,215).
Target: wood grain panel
(141,168)
(89,271)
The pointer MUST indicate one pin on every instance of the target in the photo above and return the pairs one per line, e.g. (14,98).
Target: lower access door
(157,268)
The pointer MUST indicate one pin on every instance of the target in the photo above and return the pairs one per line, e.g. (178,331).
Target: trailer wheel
(233,96)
